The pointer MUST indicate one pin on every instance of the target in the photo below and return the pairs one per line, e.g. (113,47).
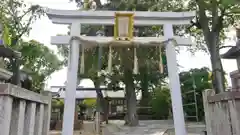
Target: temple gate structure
(75,18)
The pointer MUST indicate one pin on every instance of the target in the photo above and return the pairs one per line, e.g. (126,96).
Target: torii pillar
(73,60)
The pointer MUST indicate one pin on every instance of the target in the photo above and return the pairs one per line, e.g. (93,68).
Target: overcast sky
(43,29)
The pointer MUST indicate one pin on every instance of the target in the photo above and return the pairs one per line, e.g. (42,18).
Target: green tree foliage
(122,73)
(58,104)
(18,17)
(199,80)
(6,35)
(161,103)
(36,59)
(209,27)
(90,102)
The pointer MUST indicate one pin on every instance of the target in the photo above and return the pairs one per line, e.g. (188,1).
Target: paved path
(156,127)
(150,127)
(88,129)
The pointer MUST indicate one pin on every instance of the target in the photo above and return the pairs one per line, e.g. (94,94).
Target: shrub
(161,103)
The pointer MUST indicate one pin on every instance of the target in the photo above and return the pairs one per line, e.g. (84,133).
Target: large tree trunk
(144,89)
(99,4)
(100,99)
(132,118)
(217,72)
(218,80)
(211,36)
(131,101)
(106,110)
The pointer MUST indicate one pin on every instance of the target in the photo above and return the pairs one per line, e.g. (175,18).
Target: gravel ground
(88,130)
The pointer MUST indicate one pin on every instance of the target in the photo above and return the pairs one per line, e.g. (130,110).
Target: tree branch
(232,13)
(25,29)
(215,17)
(218,24)
(34,10)
(203,20)
(196,24)
(25,13)
(99,4)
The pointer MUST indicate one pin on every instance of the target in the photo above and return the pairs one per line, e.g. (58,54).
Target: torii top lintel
(107,17)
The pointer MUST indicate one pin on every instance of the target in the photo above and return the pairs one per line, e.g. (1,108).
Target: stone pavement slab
(156,127)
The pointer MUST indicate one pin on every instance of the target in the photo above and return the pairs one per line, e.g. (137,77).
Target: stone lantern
(234,53)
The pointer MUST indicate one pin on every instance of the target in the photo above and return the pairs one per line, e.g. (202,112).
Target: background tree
(90,102)
(208,29)
(198,80)
(123,74)
(210,26)
(148,59)
(58,104)
(17,18)
(39,62)
(161,103)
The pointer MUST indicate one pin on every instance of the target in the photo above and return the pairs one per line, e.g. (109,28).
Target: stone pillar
(5,114)
(235,78)
(29,119)
(238,44)
(47,113)
(18,116)
(238,63)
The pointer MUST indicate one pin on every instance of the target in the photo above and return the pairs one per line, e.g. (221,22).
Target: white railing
(23,112)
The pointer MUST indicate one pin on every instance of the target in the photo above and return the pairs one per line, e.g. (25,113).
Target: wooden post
(207,110)
(222,112)
(234,114)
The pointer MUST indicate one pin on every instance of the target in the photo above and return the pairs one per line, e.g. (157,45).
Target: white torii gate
(75,18)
